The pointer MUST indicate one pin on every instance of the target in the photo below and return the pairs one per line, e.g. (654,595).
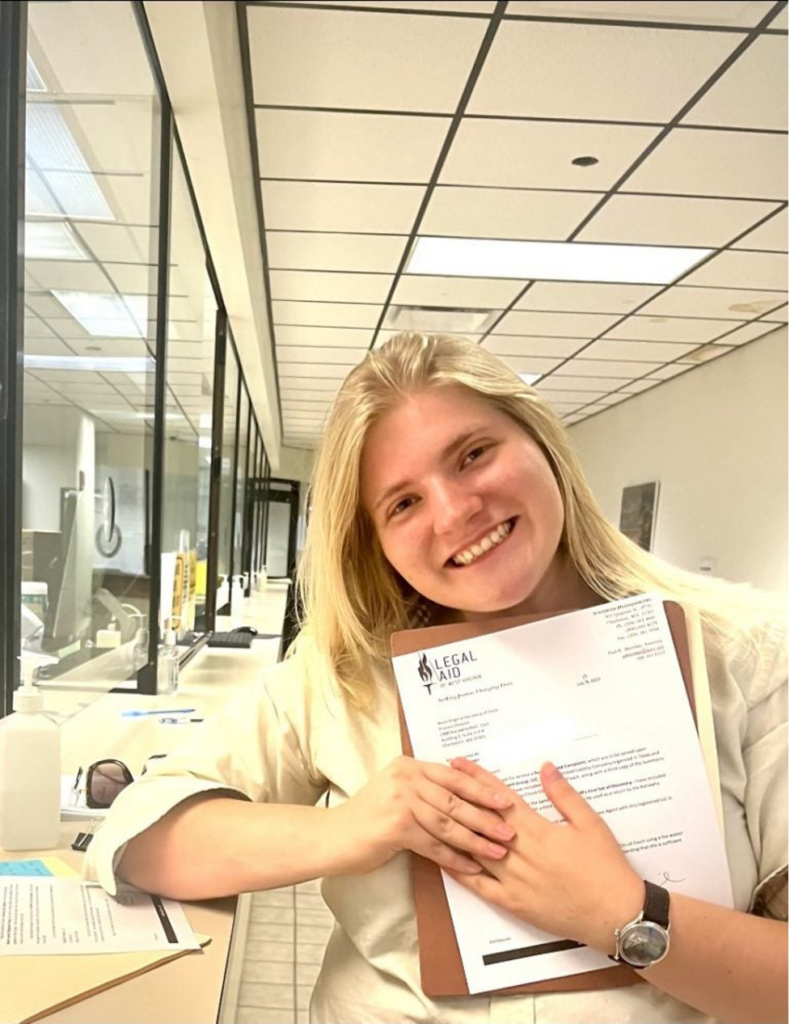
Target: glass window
(239,566)
(225,533)
(191,344)
(91,240)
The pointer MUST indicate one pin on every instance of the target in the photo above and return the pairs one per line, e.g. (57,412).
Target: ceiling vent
(439,319)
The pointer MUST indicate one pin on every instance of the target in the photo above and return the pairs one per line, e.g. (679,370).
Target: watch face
(644,944)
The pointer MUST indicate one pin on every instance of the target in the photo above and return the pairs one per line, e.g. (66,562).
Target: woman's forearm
(730,965)
(210,846)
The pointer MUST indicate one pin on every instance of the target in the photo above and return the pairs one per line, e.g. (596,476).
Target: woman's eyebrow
(446,453)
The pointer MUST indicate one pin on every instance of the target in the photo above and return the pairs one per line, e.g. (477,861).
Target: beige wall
(716,440)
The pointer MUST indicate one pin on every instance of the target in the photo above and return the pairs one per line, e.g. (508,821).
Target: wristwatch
(645,940)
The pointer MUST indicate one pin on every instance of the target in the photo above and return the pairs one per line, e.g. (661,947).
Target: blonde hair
(353,599)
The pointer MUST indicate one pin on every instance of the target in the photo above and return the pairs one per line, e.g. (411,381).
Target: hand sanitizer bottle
(167,666)
(29,773)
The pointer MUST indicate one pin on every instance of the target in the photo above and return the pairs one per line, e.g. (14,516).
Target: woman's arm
(573,880)
(215,845)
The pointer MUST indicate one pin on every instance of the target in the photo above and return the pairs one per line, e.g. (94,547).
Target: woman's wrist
(617,907)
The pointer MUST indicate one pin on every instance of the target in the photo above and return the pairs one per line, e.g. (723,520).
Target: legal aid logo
(426,672)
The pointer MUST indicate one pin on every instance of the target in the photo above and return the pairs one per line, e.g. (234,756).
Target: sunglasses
(105,779)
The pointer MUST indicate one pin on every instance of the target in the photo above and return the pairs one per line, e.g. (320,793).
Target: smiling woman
(446,489)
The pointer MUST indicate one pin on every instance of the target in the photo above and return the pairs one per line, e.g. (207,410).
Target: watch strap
(656,907)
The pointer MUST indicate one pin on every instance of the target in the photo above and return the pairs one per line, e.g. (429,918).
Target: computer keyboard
(232,639)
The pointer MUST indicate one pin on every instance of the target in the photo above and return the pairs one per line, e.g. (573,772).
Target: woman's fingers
(460,824)
(571,804)
(473,790)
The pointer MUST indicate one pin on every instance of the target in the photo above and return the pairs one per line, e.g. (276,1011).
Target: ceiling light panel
(528,154)
(569,296)
(326,286)
(51,240)
(564,261)
(672,220)
(719,303)
(606,72)
(438,320)
(336,206)
(325,314)
(752,92)
(348,147)
(505,213)
(107,315)
(345,59)
(715,163)
(291,250)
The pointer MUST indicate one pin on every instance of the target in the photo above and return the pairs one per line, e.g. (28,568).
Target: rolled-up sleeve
(256,748)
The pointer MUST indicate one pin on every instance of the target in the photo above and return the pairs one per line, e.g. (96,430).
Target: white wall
(295,464)
(716,440)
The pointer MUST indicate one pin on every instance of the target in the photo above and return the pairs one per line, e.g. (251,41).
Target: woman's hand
(428,808)
(569,879)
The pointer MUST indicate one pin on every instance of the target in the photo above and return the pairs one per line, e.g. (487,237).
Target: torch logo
(426,672)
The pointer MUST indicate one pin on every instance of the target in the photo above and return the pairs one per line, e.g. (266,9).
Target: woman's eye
(401,506)
(474,454)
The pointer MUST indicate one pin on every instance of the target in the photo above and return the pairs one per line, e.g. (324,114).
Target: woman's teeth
(476,550)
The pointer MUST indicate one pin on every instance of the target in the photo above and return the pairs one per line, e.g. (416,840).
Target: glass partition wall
(116,444)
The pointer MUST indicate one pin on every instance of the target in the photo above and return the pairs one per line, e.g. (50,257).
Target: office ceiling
(376,124)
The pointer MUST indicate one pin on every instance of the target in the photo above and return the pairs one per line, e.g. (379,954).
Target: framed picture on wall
(638,509)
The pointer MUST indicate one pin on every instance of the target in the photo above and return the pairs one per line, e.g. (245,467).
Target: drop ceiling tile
(298,371)
(750,94)
(718,303)
(119,242)
(606,368)
(607,72)
(569,325)
(750,332)
(734,269)
(531,364)
(330,387)
(561,408)
(693,161)
(515,346)
(505,213)
(133,280)
(326,58)
(642,351)
(456,292)
(46,347)
(695,12)
(324,337)
(525,154)
(705,354)
(295,250)
(66,276)
(770,235)
(617,299)
(328,286)
(334,206)
(671,370)
(36,328)
(613,399)
(778,314)
(574,397)
(672,220)
(311,144)
(43,304)
(57,377)
(638,386)
(431,6)
(569,381)
(670,329)
(299,354)
(325,314)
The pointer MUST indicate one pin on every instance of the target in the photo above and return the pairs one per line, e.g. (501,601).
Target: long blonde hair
(353,599)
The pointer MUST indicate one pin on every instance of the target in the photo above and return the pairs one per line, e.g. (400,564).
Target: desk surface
(189,989)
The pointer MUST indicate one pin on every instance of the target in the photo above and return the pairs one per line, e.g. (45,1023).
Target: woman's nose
(452,505)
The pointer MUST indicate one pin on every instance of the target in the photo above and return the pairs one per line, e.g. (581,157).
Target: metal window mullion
(215,485)
(234,482)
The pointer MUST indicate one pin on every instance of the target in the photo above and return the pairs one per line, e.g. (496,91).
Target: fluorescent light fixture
(59,180)
(136,416)
(106,315)
(204,442)
(51,240)
(551,261)
(206,419)
(101,364)
(438,319)
(35,83)
(530,378)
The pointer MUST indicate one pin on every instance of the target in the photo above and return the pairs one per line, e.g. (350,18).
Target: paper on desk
(39,866)
(66,915)
(600,693)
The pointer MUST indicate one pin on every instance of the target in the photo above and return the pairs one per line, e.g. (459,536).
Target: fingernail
(496,851)
(505,831)
(501,800)
(552,772)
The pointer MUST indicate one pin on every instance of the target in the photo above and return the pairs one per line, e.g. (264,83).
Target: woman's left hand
(569,879)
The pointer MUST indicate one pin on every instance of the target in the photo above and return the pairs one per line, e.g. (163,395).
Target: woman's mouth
(483,546)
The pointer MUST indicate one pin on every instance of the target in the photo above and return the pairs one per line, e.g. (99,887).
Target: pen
(135,713)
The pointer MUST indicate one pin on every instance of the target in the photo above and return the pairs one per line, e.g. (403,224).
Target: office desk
(192,989)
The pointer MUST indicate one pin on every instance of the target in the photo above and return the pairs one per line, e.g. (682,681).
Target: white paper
(599,692)
(66,915)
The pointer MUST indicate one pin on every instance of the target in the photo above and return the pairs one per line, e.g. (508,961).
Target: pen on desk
(178,721)
(138,713)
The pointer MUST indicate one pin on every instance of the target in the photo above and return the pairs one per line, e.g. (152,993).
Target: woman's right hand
(428,808)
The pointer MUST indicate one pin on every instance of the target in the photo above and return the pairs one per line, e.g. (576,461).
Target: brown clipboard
(441,970)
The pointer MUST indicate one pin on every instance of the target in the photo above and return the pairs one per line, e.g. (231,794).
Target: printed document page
(599,692)
(65,915)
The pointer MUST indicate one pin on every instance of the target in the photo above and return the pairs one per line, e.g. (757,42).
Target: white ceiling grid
(375,124)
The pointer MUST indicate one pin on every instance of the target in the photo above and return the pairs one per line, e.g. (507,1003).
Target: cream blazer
(292,738)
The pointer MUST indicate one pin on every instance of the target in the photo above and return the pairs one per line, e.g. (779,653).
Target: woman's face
(464,503)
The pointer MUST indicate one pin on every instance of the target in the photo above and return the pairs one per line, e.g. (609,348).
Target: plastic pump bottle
(29,774)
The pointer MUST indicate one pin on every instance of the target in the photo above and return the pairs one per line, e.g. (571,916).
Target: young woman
(446,489)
